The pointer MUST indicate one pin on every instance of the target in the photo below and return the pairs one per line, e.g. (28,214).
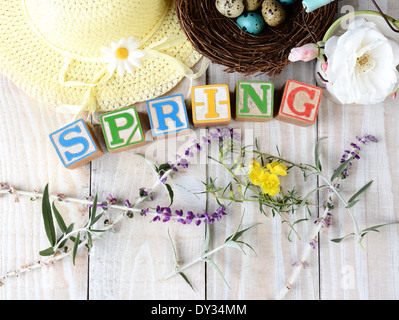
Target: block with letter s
(76,144)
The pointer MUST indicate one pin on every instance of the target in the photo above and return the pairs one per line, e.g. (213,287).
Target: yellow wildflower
(255,171)
(269,183)
(277,168)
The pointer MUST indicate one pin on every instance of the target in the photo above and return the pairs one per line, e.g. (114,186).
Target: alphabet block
(76,144)
(254,101)
(300,103)
(168,116)
(211,105)
(122,130)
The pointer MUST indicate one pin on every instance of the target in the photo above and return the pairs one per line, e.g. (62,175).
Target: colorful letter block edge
(123,137)
(211,105)
(81,147)
(250,100)
(177,117)
(288,113)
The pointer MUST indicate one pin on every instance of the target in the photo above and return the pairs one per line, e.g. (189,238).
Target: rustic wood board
(130,263)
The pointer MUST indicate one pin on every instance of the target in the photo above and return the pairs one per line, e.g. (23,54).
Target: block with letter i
(168,116)
(76,145)
(254,101)
(211,105)
(300,103)
(122,130)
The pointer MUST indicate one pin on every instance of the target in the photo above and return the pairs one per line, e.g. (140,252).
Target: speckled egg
(273,12)
(252,5)
(251,22)
(287,2)
(230,8)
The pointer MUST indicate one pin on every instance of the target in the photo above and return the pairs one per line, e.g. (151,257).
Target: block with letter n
(211,105)
(122,129)
(254,101)
(168,116)
(76,144)
(300,103)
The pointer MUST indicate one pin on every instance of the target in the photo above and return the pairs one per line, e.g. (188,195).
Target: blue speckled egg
(287,2)
(251,22)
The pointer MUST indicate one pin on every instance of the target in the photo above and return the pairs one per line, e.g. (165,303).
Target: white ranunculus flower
(362,64)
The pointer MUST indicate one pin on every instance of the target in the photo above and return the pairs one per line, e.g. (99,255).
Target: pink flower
(324,66)
(305,53)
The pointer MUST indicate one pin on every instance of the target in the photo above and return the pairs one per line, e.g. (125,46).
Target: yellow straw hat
(94,55)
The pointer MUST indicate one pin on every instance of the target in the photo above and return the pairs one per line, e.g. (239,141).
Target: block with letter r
(122,129)
(168,116)
(300,103)
(76,145)
(254,101)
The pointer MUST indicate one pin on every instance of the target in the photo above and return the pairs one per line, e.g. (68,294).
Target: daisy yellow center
(122,53)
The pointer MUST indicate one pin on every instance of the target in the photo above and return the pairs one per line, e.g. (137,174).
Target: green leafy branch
(233,241)
(78,237)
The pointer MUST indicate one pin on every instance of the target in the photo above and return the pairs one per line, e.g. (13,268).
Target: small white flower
(362,64)
(123,56)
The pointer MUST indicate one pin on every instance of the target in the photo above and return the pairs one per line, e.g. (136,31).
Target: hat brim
(35,67)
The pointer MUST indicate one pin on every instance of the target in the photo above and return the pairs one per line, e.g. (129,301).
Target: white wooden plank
(264,275)
(29,163)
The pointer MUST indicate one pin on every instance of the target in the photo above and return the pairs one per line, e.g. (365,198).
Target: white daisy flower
(123,56)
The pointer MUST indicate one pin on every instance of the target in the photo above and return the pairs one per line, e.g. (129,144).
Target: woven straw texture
(82,27)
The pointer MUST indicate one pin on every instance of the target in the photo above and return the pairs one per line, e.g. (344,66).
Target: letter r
(172,115)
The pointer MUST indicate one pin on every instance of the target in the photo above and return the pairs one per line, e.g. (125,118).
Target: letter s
(72,142)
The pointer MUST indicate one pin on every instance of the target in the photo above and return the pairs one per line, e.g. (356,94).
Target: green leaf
(47,252)
(303,203)
(170,192)
(339,240)
(187,281)
(96,219)
(375,228)
(352,204)
(207,239)
(75,247)
(363,189)
(214,265)
(341,168)
(174,250)
(58,218)
(234,244)
(317,155)
(164,167)
(93,210)
(48,217)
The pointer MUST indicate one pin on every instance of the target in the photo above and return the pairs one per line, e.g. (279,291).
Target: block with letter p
(300,103)
(122,130)
(76,144)
(211,105)
(168,116)
(254,101)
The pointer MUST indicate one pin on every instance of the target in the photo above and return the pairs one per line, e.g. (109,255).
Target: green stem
(201,258)
(332,187)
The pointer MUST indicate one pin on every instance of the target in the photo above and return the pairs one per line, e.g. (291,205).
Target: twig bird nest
(223,42)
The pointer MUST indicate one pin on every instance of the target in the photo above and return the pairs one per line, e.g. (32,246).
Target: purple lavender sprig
(354,153)
(165,214)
